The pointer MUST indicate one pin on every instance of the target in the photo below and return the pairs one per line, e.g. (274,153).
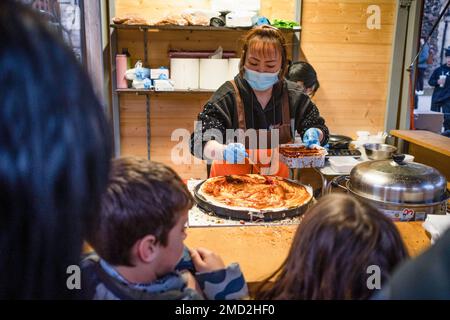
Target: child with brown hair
(139,241)
(336,242)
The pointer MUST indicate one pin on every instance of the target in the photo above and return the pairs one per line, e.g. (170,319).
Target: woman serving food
(258,98)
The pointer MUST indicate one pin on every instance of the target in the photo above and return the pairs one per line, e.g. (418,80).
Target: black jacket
(425,277)
(440,95)
(220,112)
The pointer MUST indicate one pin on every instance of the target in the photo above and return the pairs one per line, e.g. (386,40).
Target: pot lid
(398,181)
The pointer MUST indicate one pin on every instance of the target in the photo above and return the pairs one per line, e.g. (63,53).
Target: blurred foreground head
(337,241)
(54,157)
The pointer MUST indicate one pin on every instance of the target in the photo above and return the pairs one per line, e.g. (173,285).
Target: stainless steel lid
(397,181)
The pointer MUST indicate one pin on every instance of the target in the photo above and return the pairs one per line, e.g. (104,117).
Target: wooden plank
(318,53)
(352,62)
(250,246)
(347,33)
(342,11)
(431,158)
(156,9)
(94,49)
(426,139)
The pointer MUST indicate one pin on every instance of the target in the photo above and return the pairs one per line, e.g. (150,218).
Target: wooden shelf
(152,92)
(426,139)
(190,28)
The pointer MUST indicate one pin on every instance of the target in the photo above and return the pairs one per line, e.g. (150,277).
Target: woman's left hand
(312,137)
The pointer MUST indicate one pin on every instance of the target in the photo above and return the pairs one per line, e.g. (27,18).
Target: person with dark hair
(422,65)
(55,150)
(305,76)
(440,80)
(258,100)
(138,241)
(335,243)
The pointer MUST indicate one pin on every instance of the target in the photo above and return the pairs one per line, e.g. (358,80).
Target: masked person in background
(258,98)
(305,76)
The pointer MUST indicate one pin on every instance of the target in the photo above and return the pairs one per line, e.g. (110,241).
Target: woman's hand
(312,137)
(205,260)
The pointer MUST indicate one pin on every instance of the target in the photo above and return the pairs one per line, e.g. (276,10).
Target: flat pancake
(254,192)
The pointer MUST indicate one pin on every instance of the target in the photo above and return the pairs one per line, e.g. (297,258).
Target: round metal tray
(262,215)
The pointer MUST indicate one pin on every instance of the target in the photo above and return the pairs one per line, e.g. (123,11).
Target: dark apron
(258,162)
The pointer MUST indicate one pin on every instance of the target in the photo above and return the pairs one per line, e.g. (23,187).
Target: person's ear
(148,248)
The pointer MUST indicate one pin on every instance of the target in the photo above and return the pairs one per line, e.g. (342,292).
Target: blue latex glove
(147,83)
(142,73)
(311,137)
(235,153)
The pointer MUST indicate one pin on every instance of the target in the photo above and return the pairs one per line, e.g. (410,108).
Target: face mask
(260,81)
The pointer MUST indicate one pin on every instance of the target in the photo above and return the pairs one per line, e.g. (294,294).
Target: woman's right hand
(205,260)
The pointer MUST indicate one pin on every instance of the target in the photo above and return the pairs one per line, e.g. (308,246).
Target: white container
(185,73)
(213,73)
(240,19)
(157,73)
(342,164)
(163,85)
(233,67)
(231,5)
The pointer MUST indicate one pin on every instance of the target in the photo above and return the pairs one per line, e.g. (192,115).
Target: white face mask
(260,81)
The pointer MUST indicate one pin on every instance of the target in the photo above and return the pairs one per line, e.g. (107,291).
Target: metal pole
(430,34)
(147,96)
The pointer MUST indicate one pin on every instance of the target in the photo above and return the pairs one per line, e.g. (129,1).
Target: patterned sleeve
(212,117)
(310,118)
(223,284)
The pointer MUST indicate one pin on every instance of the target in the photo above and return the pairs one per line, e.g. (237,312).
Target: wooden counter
(428,148)
(261,250)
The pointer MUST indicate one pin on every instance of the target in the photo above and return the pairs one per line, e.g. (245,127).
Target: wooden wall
(156,9)
(352,61)
(168,111)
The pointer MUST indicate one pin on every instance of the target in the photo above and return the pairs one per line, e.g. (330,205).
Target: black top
(440,95)
(425,277)
(220,111)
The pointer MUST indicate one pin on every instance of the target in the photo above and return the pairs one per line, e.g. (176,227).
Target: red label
(408,214)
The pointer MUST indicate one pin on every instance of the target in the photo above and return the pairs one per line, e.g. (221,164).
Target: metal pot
(402,190)
(258,215)
(379,151)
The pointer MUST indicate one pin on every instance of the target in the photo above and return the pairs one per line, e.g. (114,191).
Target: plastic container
(121,69)
(185,73)
(213,73)
(342,164)
(408,158)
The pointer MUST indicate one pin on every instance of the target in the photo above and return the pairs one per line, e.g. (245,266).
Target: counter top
(261,250)
(426,139)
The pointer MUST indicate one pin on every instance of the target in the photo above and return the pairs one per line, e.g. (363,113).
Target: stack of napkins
(436,225)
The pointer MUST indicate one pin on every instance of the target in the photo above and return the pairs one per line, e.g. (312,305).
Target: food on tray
(298,151)
(172,19)
(299,156)
(130,20)
(254,192)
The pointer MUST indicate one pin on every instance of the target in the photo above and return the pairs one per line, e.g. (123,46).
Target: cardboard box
(163,85)
(156,73)
(428,120)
